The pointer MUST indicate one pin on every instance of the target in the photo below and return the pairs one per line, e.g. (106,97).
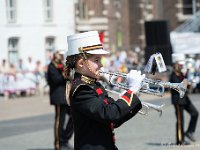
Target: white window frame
(189,6)
(83,10)
(48,10)
(11,8)
(50,43)
(13,50)
(180,15)
(49,48)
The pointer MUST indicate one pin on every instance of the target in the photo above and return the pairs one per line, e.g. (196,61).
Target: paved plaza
(27,124)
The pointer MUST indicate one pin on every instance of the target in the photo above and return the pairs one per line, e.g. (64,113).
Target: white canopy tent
(185,42)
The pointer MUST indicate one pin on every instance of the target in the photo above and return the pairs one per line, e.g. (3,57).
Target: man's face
(179,67)
(59,58)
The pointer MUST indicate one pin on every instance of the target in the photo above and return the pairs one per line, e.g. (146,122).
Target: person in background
(10,88)
(57,83)
(21,66)
(4,67)
(94,113)
(197,73)
(181,104)
(30,65)
(39,71)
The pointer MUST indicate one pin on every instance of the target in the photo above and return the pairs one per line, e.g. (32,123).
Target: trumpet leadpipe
(153,106)
(145,105)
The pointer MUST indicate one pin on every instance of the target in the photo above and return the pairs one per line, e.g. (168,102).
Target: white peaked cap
(178,57)
(88,42)
(62,52)
(60,49)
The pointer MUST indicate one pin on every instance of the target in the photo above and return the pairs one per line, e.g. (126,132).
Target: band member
(181,104)
(57,83)
(94,113)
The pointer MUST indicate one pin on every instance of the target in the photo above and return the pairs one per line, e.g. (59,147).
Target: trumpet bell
(184,84)
(179,87)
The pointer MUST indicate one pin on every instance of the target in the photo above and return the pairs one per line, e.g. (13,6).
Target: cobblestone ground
(153,132)
(27,124)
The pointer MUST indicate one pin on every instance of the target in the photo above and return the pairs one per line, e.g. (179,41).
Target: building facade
(122,21)
(34,28)
(101,15)
(37,27)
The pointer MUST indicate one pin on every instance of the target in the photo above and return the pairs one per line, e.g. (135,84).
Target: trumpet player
(181,104)
(94,113)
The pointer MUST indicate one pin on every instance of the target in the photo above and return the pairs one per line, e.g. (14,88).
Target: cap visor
(62,52)
(182,62)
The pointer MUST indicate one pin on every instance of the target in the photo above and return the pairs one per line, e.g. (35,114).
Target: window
(50,43)
(48,10)
(83,10)
(188,7)
(11,10)
(13,46)
(50,47)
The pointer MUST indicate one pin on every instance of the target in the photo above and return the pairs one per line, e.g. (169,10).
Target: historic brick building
(122,21)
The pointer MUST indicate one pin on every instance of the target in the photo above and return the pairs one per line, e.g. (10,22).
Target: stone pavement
(27,124)
(24,107)
(36,105)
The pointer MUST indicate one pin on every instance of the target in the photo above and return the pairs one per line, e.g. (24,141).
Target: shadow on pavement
(41,149)
(161,144)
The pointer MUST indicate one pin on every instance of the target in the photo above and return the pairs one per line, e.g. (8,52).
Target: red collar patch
(99,91)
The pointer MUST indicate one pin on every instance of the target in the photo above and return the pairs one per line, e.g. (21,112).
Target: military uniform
(181,104)
(57,86)
(95,114)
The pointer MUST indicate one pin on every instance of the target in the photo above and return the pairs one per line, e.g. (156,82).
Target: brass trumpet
(148,83)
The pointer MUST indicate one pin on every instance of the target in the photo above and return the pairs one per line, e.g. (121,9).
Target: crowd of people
(21,78)
(25,76)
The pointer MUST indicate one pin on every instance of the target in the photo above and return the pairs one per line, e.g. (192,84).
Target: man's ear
(80,63)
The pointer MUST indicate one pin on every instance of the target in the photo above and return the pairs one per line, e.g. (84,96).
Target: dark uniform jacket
(95,114)
(57,85)
(174,94)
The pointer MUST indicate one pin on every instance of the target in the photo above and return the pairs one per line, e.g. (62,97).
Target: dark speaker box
(157,33)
